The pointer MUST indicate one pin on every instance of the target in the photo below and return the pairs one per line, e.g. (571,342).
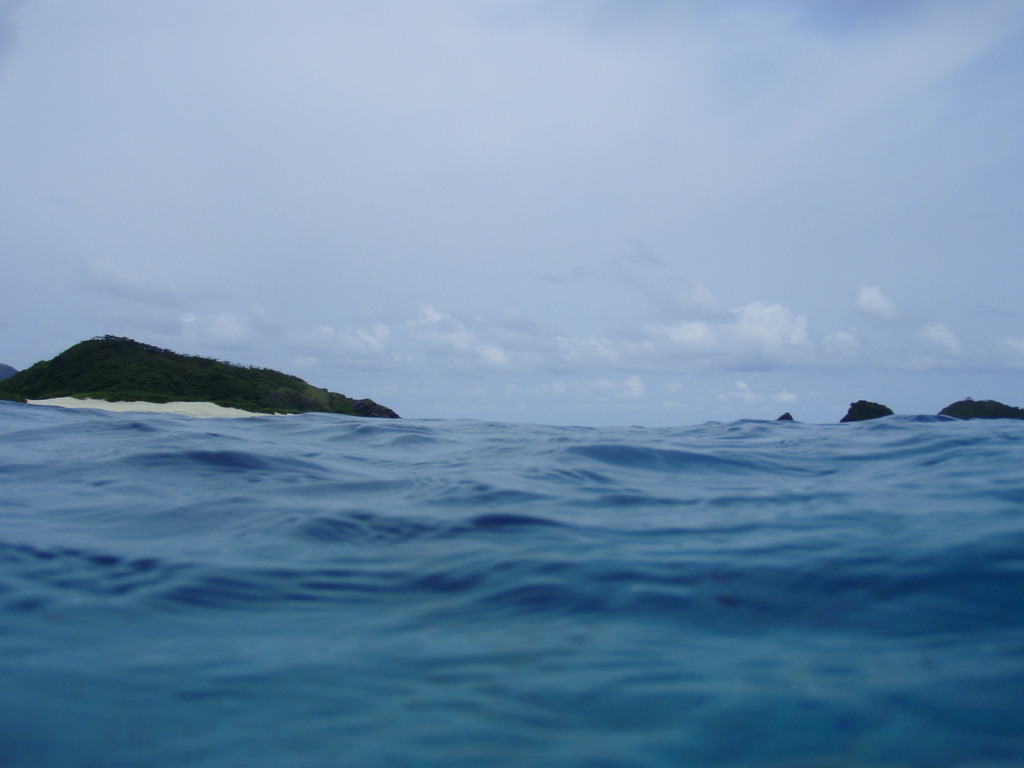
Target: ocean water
(320,590)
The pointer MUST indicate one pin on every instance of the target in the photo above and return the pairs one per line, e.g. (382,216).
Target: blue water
(320,590)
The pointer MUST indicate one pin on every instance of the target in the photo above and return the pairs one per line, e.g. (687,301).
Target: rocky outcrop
(981,409)
(367,407)
(863,410)
(787,416)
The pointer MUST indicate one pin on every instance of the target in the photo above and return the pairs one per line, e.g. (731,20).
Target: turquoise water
(321,590)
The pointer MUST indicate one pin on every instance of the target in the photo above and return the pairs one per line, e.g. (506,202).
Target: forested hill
(121,369)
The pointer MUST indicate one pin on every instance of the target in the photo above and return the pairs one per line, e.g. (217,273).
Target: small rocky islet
(968,408)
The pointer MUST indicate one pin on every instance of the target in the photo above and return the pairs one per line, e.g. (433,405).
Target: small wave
(365,528)
(64,571)
(223,460)
(284,589)
(506,523)
(477,494)
(659,459)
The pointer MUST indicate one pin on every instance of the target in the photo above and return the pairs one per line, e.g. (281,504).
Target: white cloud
(939,336)
(376,336)
(842,344)
(322,336)
(632,387)
(635,387)
(744,394)
(225,329)
(372,337)
(697,335)
(875,304)
(228,327)
(366,340)
(1013,349)
(441,329)
(1016,345)
(492,355)
(758,330)
(770,327)
(445,332)
(588,348)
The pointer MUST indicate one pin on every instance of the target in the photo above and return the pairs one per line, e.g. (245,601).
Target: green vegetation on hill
(864,410)
(981,409)
(116,368)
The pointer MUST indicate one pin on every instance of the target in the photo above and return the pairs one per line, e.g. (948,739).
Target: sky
(585,212)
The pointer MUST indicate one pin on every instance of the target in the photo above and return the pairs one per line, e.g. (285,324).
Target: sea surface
(321,590)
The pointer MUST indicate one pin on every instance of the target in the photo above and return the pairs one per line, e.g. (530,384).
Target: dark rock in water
(787,416)
(981,409)
(366,407)
(115,368)
(863,410)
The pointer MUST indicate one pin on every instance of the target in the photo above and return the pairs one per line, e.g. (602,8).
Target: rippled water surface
(321,590)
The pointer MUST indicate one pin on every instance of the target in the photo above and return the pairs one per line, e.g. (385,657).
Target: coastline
(197,410)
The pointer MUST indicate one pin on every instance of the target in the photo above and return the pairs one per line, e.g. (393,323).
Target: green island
(120,369)
(965,409)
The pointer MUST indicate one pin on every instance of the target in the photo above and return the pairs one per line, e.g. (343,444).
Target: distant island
(120,369)
(981,409)
(863,410)
(6,371)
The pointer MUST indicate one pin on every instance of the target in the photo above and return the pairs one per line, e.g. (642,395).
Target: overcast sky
(588,212)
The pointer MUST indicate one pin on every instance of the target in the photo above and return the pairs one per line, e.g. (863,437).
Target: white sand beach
(197,410)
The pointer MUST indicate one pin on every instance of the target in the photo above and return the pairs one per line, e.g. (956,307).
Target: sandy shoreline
(197,410)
